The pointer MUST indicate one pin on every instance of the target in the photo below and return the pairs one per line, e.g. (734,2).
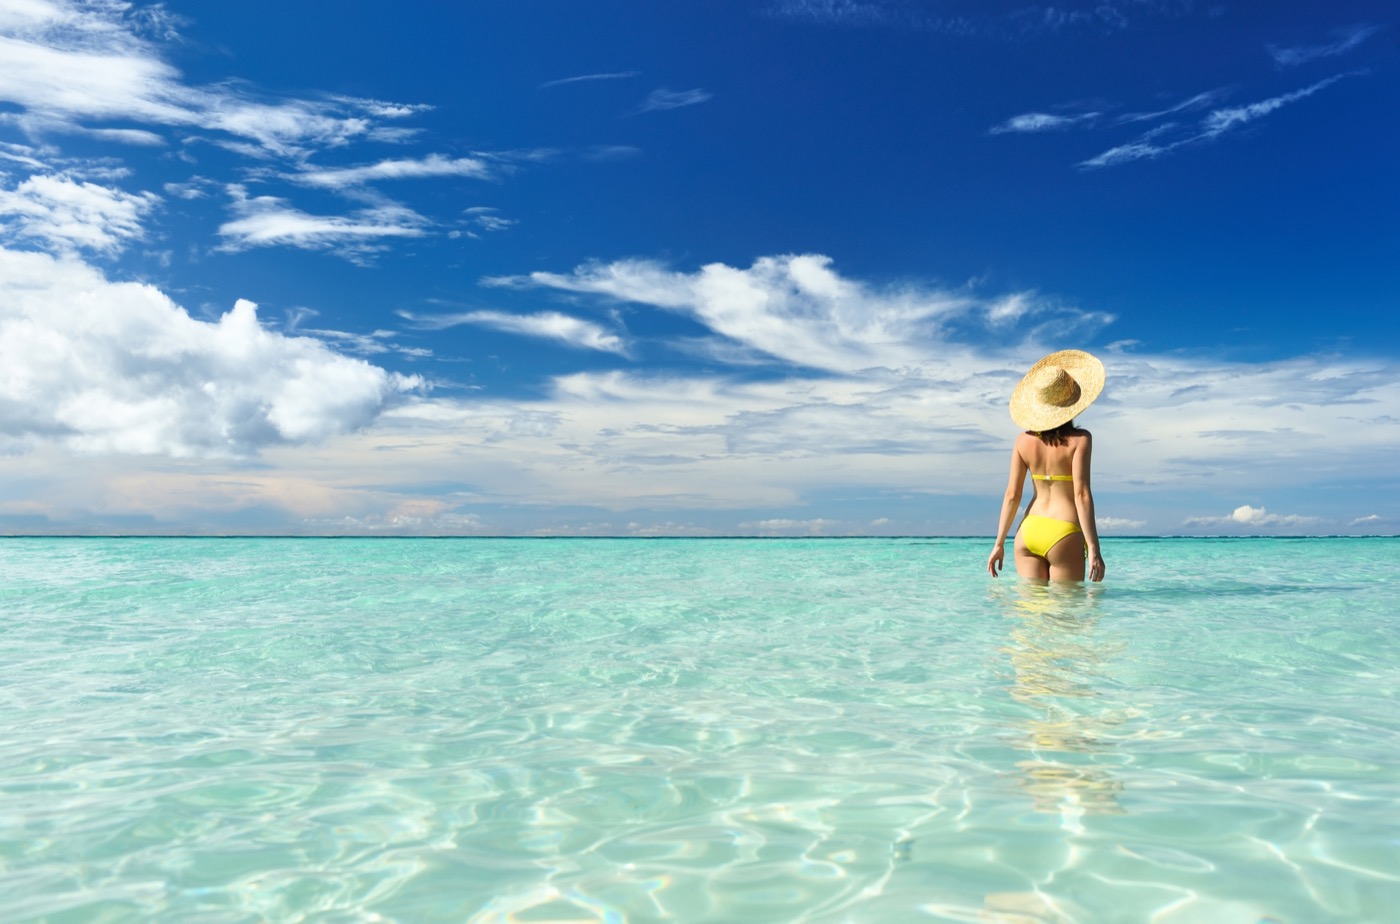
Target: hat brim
(1031,413)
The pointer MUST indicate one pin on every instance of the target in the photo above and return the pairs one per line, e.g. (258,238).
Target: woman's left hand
(994,560)
(1096,568)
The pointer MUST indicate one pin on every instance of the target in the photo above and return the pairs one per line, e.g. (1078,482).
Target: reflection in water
(1058,657)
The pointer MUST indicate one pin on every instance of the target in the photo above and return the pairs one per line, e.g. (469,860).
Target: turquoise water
(241,730)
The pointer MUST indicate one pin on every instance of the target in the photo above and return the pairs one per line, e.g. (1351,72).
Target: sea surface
(865,730)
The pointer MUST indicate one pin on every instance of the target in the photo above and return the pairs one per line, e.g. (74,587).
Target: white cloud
(1019,19)
(106,367)
(1113,524)
(838,12)
(1042,122)
(69,63)
(659,100)
(589,78)
(195,188)
(264,221)
(551,325)
(1245,515)
(417,517)
(434,165)
(811,527)
(63,214)
(1166,138)
(1347,39)
(371,344)
(22,154)
(484,218)
(794,308)
(1199,101)
(1009,309)
(1222,120)
(892,402)
(799,310)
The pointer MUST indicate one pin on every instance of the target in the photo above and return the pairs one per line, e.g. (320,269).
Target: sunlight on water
(597,730)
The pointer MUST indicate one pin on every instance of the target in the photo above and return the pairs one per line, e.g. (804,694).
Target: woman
(1058,534)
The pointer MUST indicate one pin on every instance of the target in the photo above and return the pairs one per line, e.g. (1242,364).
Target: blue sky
(637,268)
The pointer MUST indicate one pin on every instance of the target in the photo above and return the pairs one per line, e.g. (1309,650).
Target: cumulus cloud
(1113,524)
(63,214)
(107,367)
(550,325)
(1247,516)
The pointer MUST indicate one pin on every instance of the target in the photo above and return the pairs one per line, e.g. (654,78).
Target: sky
(762,268)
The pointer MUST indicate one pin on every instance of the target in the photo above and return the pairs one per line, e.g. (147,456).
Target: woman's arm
(1084,505)
(1010,501)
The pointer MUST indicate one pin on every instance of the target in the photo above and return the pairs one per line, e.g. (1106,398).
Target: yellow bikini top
(1053,477)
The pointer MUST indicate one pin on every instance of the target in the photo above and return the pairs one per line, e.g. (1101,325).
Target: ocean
(834,730)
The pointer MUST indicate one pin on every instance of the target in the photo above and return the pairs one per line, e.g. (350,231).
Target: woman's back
(1056,467)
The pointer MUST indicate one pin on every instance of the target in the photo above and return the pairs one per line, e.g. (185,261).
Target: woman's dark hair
(1058,436)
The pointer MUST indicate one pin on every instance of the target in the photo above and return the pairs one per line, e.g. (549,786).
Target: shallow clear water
(693,730)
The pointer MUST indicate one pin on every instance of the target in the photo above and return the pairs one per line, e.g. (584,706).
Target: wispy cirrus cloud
(433,165)
(549,325)
(66,65)
(1031,122)
(485,218)
(1197,102)
(797,309)
(264,221)
(1170,137)
(981,20)
(1346,40)
(1166,137)
(847,12)
(794,308)
(590,78)
(660,100)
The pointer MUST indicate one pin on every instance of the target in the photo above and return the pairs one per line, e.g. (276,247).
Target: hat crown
(1055,386)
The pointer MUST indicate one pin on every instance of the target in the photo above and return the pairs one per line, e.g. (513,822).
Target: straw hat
(1056,389)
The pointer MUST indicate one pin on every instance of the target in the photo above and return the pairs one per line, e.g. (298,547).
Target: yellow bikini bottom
(1041,533)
